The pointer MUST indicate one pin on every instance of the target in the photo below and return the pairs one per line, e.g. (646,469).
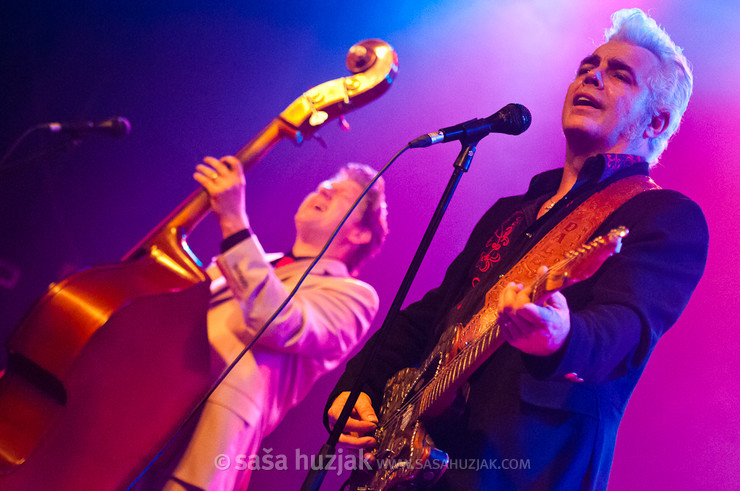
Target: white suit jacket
(325,320)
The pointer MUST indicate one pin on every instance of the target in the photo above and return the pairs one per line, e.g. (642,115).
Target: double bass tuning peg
(317,118)
(360,58)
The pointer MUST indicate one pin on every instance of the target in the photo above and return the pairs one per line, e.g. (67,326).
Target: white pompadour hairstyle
(670,89)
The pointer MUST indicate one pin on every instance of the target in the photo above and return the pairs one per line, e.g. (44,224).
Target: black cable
(277,312)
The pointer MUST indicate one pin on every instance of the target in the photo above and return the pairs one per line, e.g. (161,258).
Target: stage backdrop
(196,79)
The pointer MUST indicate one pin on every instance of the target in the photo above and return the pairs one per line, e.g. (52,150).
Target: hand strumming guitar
(531,328)
(361,422)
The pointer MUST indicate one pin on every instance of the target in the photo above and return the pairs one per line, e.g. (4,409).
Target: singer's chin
(581,132)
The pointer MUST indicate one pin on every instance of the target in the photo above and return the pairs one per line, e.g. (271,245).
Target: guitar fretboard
(461,367)
(451,376)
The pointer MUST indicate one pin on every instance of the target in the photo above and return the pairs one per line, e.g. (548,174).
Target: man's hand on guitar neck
(531,328)
(361,422)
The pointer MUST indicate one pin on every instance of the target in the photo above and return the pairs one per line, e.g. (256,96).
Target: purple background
(199,80)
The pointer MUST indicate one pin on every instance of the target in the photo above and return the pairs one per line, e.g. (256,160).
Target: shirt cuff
(543,367)
(234,239)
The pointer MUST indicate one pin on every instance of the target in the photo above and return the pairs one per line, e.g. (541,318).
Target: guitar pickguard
(405,454)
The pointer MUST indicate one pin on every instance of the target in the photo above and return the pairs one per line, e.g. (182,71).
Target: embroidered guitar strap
(570,233)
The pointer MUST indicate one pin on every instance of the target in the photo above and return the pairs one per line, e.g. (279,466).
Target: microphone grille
(119,126)
(516,119)
(116,127)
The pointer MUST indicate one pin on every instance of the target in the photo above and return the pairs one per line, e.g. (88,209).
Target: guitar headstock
(374,64)
(581,263)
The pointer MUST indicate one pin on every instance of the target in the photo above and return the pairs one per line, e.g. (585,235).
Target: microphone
(115,127)
(512,119)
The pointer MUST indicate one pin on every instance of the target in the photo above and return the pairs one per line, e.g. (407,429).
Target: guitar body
(405,454)
(110,362)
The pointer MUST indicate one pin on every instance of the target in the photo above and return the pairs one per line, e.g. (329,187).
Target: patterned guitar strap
(570,233)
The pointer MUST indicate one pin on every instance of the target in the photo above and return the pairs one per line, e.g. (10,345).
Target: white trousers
(220,439)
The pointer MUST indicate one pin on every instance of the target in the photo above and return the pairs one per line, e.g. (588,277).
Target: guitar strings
(455,361)
(539,282)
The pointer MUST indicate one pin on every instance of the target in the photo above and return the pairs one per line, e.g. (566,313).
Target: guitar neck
(196,207)
(443,387)
(451,376)
(577,265)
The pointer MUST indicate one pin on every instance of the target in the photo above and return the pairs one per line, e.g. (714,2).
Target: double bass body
(111,361)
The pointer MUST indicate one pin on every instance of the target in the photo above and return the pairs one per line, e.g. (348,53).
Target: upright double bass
(110,361)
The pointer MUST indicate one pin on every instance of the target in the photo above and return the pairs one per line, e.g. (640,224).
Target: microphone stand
(462,163)
(7,164)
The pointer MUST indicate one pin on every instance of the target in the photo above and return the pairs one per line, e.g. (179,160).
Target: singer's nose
(325,189)
(594,77)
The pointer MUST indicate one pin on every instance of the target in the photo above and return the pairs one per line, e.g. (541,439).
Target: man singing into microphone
(323,322)
(542,412)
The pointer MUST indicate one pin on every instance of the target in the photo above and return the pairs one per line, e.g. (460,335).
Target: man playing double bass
(552,396)
(327,317)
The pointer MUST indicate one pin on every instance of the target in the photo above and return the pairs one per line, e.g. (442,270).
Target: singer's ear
(658,125)
(360,235)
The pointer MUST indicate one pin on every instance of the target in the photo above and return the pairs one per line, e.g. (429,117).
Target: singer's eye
(623,77)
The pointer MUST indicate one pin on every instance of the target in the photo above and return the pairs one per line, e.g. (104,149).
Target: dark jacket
(532,414)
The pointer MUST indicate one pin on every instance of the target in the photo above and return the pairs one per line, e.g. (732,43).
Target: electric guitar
(405,453)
